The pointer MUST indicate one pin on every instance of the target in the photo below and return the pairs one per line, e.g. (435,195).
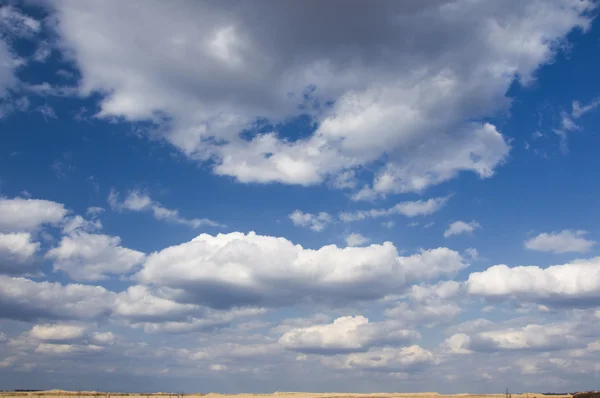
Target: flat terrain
(74,394)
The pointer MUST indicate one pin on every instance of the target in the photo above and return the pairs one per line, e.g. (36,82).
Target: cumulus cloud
(576,283)
(461,227)
(345,334)
(57,331)
(24,299)
(390,359)
(532,337)
(356,239)
(19,215)
(408,209)
(17,250)
(428,305)
(565,241)
(88,257)
(139,201)
(213,70)
(316,222)
(241,269)
(104,337)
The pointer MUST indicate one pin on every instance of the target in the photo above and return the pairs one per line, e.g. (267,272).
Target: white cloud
(13,24)
(94,211)
(138,303)
(408,209)
(18,215)
(65,349)
(16,250)
(388,224)
(213,72)
(24,299)
(345,334)
(88,257)
(139,201)
(316,222)
(536,337)
(565,241)
(57,332)
(391,359)
(104,337)
(78,223)
(575,283)
(580,110)
(237,269)
(429,305)
(472,252)
(356,239)
(461,227)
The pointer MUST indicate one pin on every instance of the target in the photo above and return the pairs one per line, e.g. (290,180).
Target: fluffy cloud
(461,227)
(238,269)
(576,283)
(345,334)
(16,251)
(138,303)
(531,337)
(88,257)
(24,299)
(428,305)
(57,332)
(408,209)
(390,359)
(565,241)
(316,222)
(355,239)
(18,215)
(139,201)
(212,71)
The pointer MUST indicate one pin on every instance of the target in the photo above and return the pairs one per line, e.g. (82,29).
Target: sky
(260,196)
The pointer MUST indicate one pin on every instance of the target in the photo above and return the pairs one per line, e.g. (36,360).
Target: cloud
(104,337)
(211,71)
(25,215)
(17,250)
(94,211)
(139,201)
(572,284)
(390,359)
(408,209)
(57,332)
(345,334)
(13,25)
(248,269)
(78,223)
(565,241)
(461,227)
(472,252)
(316,222)
(24,299)
(355,239)
(532,337)
(580,110)
(88,257)
(428,305)
(139,303)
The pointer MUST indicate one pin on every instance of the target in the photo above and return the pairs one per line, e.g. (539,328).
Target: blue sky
(259,196)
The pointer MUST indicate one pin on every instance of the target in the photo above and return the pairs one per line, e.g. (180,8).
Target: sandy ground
(74,394)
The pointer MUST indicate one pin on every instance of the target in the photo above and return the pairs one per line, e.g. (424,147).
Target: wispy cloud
(139,201)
